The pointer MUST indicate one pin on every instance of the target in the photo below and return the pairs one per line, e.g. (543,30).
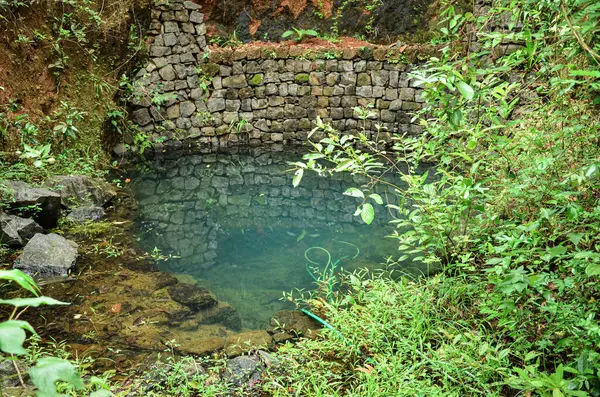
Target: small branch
(580,40)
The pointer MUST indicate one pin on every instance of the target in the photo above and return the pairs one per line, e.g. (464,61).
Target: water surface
(237,226)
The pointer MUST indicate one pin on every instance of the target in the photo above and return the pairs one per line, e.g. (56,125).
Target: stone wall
(190,204)
(267,93)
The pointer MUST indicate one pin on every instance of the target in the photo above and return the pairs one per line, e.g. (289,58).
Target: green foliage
(512,203)
(49,373)
(400,338)
(299,34)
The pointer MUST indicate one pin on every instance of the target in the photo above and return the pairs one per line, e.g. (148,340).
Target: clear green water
(239,228)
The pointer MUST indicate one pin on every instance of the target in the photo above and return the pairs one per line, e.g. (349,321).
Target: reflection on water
(240,229)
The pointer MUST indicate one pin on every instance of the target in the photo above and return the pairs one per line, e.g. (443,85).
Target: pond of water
(235,224)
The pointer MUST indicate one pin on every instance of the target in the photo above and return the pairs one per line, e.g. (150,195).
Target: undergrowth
(512,218)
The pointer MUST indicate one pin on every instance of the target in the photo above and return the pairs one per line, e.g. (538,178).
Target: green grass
(401,338)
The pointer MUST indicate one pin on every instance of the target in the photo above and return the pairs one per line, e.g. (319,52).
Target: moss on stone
(302,78)
(257,79)
(210,69)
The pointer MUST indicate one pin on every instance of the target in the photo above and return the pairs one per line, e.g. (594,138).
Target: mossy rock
(210,69)
(257,79)
(302,78)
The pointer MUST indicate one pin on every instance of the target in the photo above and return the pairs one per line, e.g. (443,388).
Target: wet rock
(192,296)
(84,214)
(293,322)
(8,373)
(268,359)
(82,190)
(222,313)
(201,346)
(47,256)
(164,280)
(16,231)
(243,369)
(40,204)
(245,342)
(281,337)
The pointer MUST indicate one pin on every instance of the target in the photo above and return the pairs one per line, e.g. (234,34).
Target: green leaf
(367,213)
(311,32)
(575,237)
(35,302)
(465,90)
(354,192)
(101,393)
(593,269)
(298,177)
(559,250)
(377,198)
(50,370)
(12,336)
(344,165)
(287,33)
(24,280)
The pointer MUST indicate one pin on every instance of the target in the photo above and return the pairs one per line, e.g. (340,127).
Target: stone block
(173,111)
(388,116)
(380,77)
(365,92)
(348,78)
(237,81)
(407,94)
(232,105)
(258,103)
(187,108)
(181,16)
(171,27)
(215,104)
(391,94)
(159,51)
(142,117)
(363,79)
(378,92)
(196,17)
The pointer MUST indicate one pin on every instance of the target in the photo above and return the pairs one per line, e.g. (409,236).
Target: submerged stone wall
(190,204)
(268,93)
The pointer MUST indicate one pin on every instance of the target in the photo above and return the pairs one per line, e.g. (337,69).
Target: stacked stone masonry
(265,94)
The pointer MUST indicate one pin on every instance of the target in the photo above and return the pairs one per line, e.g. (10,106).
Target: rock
(120,149)
(293,322)
(243,369)
(25,198)
(192,296)
(223,314)
(47,256)
(16,231)
(142,117)
(268,359)
(82,190)
(245,342)
(8,374)
(83,214)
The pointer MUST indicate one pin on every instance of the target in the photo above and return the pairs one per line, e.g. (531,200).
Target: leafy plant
(299,34)
(65,130)
(40,155)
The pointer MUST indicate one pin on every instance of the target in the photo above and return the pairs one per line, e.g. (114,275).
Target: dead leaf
(116,308)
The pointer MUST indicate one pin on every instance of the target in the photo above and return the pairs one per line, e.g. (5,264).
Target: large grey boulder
(84,214)
(82,190)
(16,231)
(47,255)
(40,204)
